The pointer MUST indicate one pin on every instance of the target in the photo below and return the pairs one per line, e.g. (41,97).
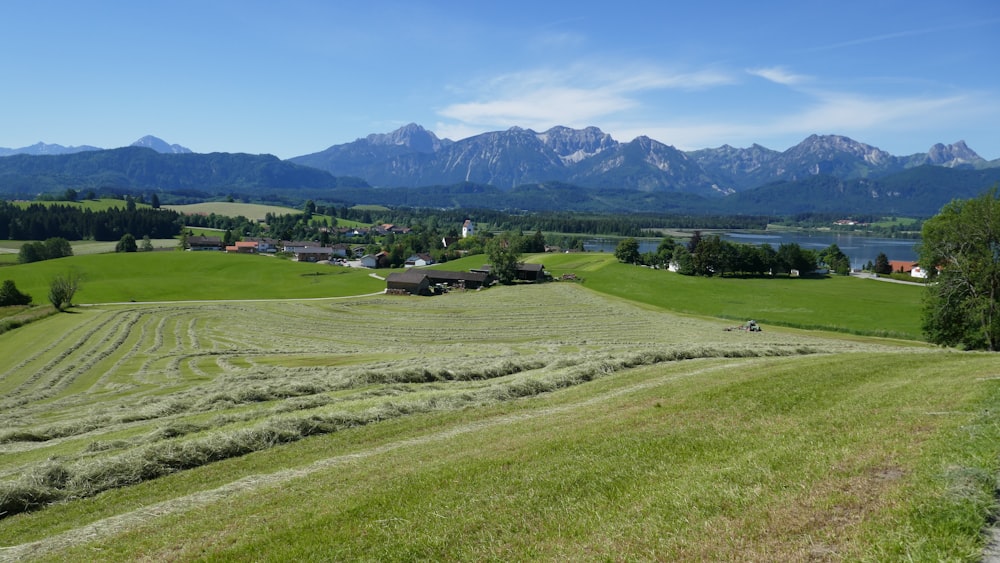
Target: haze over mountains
(149,141)
(558,169)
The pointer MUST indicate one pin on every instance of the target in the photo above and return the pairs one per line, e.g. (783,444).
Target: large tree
(504,258)
(961,250)
(627,251)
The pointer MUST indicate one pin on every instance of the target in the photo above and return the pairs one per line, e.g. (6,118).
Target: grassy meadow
(613,418)
(180,276)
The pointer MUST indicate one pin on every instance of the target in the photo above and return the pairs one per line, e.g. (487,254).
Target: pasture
(179,276)
(538,422)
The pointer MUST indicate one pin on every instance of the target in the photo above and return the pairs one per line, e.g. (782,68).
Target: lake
(860,249)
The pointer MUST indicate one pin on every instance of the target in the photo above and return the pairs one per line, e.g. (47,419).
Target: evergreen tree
(882,265)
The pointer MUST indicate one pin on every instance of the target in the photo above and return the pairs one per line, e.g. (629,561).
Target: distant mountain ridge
(149,141)
(40,148)
(413,156)
(141,168)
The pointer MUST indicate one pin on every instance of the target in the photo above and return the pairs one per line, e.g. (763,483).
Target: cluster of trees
(39,222)
(961,252)
(62,289)
(711,255)
(54,247)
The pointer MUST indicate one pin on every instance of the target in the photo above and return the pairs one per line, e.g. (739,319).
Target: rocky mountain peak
(411,135)
(574,145)
(951,155)
(831,146)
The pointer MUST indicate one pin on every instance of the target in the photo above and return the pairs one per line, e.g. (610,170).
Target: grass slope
(837,303)
(558,421)
(178,276)
(768,446)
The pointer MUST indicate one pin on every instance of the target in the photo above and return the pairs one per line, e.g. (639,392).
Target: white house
(418,260)
(468,229)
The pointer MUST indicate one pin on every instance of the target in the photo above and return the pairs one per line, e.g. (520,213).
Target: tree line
(711,255)
(39,222)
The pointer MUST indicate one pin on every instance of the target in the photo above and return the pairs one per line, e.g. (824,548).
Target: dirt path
(129,520)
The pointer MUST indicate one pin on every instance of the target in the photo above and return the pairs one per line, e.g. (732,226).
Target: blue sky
(294,77)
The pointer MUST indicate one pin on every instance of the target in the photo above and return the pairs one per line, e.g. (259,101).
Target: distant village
(409,282)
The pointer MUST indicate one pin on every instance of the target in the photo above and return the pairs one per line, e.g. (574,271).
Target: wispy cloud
(576,96)
(778,75)
(907,33)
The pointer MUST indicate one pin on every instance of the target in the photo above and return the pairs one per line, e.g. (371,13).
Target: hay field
(253,211)
(195,410)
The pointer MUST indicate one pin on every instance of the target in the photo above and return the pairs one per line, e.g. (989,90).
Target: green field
(845,304)
(563,421)
(178,276)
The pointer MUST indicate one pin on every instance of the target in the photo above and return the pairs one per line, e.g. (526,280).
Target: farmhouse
(468,229)
(425,282)
(312,253)
(413,282)
(204,243)
(292,246)
(901,266)
(525,272)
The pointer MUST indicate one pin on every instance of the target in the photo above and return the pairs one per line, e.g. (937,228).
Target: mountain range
(149,141)
(412,156)
(558,169)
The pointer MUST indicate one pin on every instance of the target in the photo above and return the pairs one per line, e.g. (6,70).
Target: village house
(265,244)
(204,243)
(468,229)
(313,253)
(292,246)
(901,266)
(419,259)
(373,261)
(342,250)
(242,247)
(387,228)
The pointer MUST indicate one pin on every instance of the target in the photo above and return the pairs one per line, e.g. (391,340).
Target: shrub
(10,296)
(62,289)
